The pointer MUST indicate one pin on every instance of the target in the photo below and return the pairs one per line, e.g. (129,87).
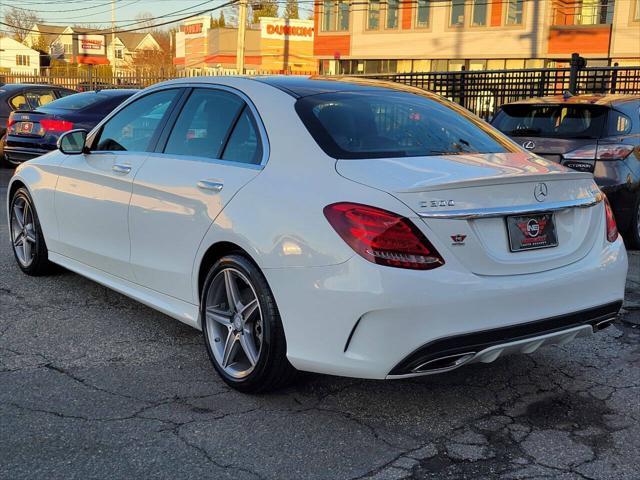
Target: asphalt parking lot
(94,385)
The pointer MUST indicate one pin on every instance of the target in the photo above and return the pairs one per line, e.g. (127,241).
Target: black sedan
(26,96)
(590,133)
(34,133)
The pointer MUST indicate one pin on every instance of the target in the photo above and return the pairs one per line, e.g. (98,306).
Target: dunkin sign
(280,29)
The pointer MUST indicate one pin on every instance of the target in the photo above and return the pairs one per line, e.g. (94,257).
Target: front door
(94,189)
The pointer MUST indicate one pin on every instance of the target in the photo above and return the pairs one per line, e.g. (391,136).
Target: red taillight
(600,152)
(612,228)
(11,120)
(382,237)
(51,125)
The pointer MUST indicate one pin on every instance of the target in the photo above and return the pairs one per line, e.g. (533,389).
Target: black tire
(632,235)
(39,265)
(272,370)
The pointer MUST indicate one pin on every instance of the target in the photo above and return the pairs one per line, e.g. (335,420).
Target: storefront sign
(91,45)
(280,28)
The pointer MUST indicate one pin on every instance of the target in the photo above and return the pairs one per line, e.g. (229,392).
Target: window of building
(68,48)
(422,13)
(335,15)
(23,60)
(373,17)
(328,16)
(479,14)
(457,13)
(514,12)
(392,14)
(343,16)
(636,14)
(119,53)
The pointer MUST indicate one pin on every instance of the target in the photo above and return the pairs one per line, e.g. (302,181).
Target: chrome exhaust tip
(442,364)
(604,324)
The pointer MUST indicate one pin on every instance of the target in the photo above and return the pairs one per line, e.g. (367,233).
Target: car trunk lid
(464,202)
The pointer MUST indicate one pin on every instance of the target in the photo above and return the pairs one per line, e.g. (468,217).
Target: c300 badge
(458,239)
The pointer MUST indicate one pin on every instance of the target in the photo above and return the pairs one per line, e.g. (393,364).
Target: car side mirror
(72,142)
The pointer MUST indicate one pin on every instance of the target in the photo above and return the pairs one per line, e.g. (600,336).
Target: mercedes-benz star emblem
(529,145)
(541,192)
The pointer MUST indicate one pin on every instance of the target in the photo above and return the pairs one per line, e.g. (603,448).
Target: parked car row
(340,226)
(598,134)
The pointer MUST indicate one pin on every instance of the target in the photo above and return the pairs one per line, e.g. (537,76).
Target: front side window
(457,13)
(422,14)
(392,14)
(353,125)
(514,12)
(373,16)
(133,127)
(479,17)
(204,123)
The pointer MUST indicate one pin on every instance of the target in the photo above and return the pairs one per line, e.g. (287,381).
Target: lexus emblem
(540,192)
(529,145)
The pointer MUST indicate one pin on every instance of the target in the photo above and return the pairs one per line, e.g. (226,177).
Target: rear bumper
(486,346)
(18,155)
(362,320)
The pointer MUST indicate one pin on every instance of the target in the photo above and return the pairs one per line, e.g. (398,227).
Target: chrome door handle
(210,185)
(119,168)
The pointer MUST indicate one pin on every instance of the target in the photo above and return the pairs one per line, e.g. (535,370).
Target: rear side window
(559,121)
(619,123)
(352,125)
(204,123)
(132,128)
(244,143)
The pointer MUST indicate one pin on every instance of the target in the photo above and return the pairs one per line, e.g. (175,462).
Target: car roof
(113,92)
(17,86)
(591,99)
(299,86)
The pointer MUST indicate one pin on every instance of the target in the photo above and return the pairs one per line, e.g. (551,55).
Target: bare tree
(291,9)
(145,21)
(19,22)
(264,8)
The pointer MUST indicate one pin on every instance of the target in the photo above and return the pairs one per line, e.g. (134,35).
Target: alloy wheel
(234,323)
(23,231)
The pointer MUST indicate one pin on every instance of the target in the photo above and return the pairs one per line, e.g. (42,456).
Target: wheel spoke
(230,349)
(19,240)
(18,215)
(223,318)
(233,295)
(26,249)
(248,346)
(249,309)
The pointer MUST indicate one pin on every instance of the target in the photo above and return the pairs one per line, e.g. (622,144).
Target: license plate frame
(531,232)
(26,128)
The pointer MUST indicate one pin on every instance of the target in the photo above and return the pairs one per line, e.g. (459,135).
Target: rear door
(212,148)
(94,189)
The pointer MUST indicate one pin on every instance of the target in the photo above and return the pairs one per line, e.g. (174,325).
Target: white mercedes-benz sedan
(339,226)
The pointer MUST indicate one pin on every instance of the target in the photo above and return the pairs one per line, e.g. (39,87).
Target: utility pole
(242,24)
(113,36)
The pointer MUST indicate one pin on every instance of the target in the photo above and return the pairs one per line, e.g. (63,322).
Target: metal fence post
(614,78)
(577,63)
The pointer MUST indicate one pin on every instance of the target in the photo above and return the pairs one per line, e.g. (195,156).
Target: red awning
(93,60)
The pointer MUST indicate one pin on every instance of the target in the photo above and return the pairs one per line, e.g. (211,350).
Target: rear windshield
(562,121)
(79,101)
(352,125)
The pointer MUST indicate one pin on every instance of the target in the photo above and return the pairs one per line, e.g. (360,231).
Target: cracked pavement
(94,385)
